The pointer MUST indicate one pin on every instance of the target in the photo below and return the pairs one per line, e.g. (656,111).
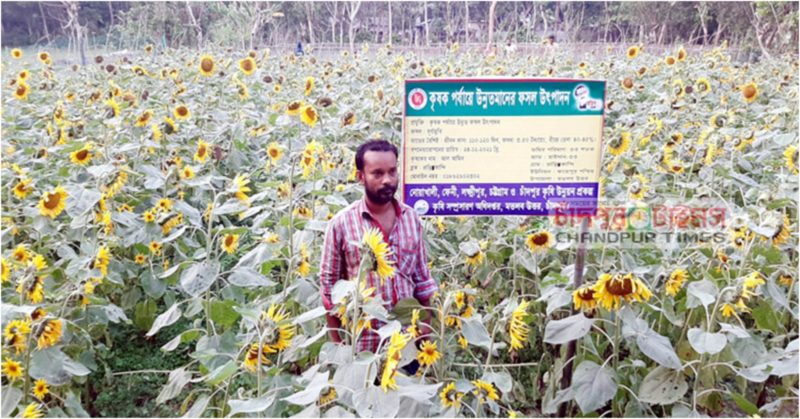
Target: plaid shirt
(340,260)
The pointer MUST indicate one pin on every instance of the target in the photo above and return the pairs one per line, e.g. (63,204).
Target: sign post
(502,146)
(505,146)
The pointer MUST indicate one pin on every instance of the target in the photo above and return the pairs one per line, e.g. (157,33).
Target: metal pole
(577,281)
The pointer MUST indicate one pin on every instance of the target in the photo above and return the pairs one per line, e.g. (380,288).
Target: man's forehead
(379,158)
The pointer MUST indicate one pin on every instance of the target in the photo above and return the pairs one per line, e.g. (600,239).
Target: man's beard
(382,195)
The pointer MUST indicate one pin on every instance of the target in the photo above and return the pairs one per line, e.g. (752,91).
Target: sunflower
(475,259)
(21,91)
(37,314)
(309,86)
(539,241)
(678,87)
(717,121)
(373,240)
(782,232)
(230,243)
(33,410)
(187,172)
(148,48)
(279,331)
(156,132)
(202,151)
(16,53)
(247,65)
(752,281)
(24,74)
(294,108)
(283,190)
(627,83)
(274,151)
(638,188)
(428,355)
(620,144)
(164,204)
(327,397)
(633,52)
(21,254)
(17,327)
(241,182)
(21,189)
(252,358)
(44,57)
(140,259)
(49,333)
(583,297)
(348,119)
(303,212)
(611,289)
(12,369)
(53,202)
(171,222)
(102,260)
(703,85)
(309,115)
(517,328)
(785,279)
(144,118)
(681,54)
(113,108)
(276,88)
(83,156)
(791,156)
(484,391)
(242,89)
(675,281)
(462,342)
(304,267)
(41,388)
(181,112)
(6,270)
(149,216)
(396,345)
(749,92)
(207,65)
(155,248)
(450,396)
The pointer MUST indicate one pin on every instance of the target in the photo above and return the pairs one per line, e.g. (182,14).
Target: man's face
(379,176)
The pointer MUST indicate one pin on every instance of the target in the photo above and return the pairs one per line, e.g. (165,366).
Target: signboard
(502,146)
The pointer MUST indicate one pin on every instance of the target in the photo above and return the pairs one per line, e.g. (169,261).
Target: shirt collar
(363,209)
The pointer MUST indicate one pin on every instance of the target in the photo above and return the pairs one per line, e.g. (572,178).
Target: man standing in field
(376,164)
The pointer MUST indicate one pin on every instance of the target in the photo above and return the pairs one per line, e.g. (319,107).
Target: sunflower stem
(290,269)
(27,386)
(617,326)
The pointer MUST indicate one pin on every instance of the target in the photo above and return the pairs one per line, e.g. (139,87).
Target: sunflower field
(184,196)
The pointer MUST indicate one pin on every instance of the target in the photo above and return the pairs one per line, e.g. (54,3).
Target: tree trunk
(389,4)
(352,11)
(466,22)
(759,30)
(309,12)
(490,35)
(197,29)
(256,26)
(702,9)
(427,26)
(44,23)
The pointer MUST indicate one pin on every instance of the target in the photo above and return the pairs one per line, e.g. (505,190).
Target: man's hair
(373,145)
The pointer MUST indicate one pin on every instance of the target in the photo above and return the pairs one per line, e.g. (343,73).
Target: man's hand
(334,324)
(424,329)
